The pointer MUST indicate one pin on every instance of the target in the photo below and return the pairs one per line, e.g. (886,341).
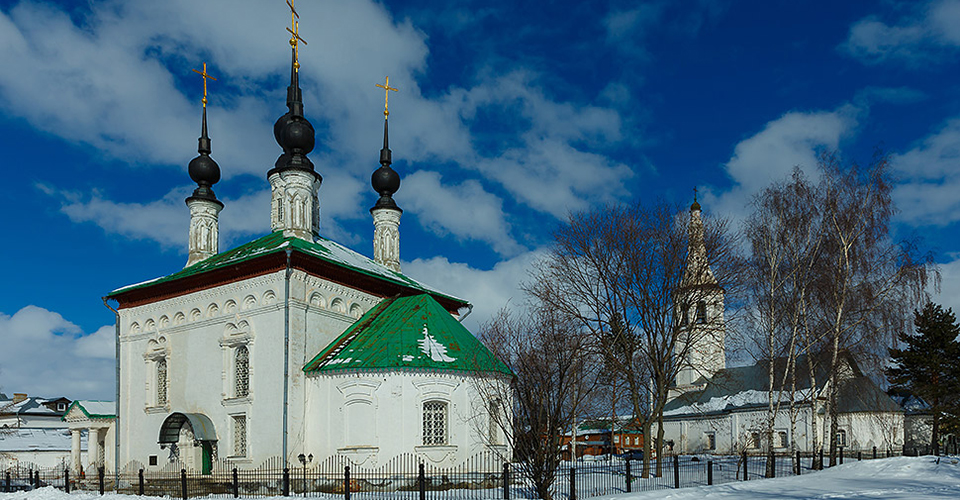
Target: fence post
(773,467)
(100,477)
(841,455)
(346,482)
(183,484)
(859,456)
(140,482)
(629,479)
(66,480)
(874,452)
(8,482)
(744,453)
(422,480)
(709,473)
(820,464)
(286,481)
(506,481)
(236,483)
(676,471)
(573,483)
(798,462)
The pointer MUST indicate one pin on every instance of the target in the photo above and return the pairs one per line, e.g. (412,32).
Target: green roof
(323,249)
(94,409)
(407,333)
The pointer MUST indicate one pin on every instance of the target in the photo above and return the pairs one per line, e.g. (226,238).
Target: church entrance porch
(192,439)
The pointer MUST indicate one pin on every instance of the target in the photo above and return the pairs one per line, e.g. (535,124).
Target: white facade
(742,430)
(200,343)
(373,417)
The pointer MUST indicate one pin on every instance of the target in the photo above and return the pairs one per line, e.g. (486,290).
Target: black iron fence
(485,476)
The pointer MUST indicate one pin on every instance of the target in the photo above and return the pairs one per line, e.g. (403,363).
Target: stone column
(386,237)
(204,229)
(75,451)
(295,207)
(93,437)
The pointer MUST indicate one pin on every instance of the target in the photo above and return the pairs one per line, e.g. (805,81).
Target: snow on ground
(900,478)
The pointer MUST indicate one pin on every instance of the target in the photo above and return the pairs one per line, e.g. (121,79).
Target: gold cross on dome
(205,75)
(294,31)
(386,97)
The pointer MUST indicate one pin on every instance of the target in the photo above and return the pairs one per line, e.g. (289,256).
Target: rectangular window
(841,437)
(162,382)
(754,439)
(434,423)
(711,440)
(782,440)
(239,435)
(494,434)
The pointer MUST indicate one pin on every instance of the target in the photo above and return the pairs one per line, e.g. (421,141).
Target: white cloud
(465,210)
(930,178)
(167,220)
(929,32)
(770,155)
(45,355)
(488,290)
(118,78)
(949,295)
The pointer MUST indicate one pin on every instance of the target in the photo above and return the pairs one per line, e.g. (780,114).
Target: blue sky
(509,115)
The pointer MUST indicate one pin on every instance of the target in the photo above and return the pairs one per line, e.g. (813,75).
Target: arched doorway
(194,436)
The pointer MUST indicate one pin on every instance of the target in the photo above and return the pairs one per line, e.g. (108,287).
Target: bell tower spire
(386,213)
(203,241)
(295,206)
(700,349)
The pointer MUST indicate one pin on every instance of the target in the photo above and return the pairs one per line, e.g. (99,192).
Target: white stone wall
(198,333)
(733,431)
(372,417)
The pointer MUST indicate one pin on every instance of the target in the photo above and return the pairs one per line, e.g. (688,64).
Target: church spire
(697,270)
(386,213)
(295,207)
(203,241)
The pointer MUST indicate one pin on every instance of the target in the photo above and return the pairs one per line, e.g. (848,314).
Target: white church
(294,345)
(721,410)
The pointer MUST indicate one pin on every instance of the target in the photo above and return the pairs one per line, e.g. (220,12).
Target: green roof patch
(407,333)
(323,249)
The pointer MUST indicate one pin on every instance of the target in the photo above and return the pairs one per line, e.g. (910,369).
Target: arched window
(162,382)
(701,312)
(434,423)
(242,372)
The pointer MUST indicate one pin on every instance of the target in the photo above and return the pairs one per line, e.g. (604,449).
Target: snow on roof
(37,440)
(738,400)
(96,409)
(322,248)
(29,406)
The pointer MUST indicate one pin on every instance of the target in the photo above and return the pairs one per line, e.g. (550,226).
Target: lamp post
(303,461)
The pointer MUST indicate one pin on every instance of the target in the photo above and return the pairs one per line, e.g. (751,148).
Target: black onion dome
(203,169)
(695,206)
(293,132)
(385,180)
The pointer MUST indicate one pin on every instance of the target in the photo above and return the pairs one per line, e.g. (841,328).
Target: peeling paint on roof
(413,332)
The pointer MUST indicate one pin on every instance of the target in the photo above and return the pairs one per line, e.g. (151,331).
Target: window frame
(428,434)
(239,436)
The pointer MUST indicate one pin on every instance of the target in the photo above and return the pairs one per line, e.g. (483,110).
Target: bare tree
(627,276)
(868,282)
(785,241)
(555,375)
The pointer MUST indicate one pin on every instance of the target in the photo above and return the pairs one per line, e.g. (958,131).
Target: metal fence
(485,476)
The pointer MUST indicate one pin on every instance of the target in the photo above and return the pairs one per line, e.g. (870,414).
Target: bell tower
(700,346)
